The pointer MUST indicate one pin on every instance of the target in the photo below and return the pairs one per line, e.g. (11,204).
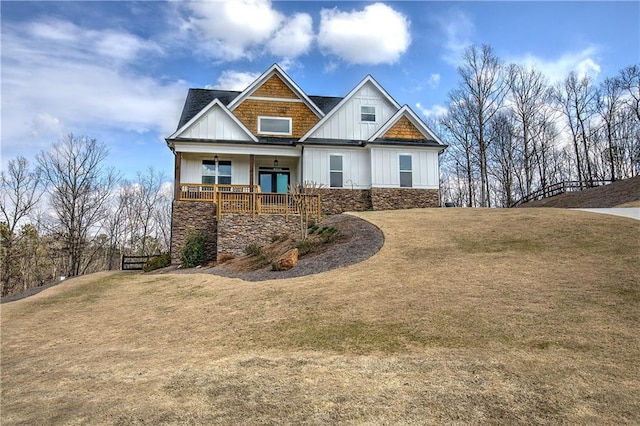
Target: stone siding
(338,200)
(403,198)
(193,216)
(403,129)
(237,231)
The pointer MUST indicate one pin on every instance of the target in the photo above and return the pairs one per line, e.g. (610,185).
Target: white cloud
(59,77)
(234,80)
(458,30)
(230,30)
(434,113)
(434,80)
(584,62)
(294,38)
(377,34)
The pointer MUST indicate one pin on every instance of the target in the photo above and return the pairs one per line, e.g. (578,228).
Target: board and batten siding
(345,123)
(215,124)
(191,167)
(385,171)
(356,166)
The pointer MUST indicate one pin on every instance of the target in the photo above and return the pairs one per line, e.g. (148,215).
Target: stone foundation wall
(237,231)
(193,216)
(336,200)
(403,198)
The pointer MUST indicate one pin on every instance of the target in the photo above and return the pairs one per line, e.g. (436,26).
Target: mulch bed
(358,240)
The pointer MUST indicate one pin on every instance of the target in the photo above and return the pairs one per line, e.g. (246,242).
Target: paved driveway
(632,212)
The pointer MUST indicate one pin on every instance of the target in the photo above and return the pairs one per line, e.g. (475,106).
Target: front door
(274,180)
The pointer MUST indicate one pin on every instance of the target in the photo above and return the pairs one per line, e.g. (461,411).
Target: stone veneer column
(190,216)
(403,198)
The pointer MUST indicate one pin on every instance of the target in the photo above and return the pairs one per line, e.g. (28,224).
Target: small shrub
(278,238)
(157,262)
(304,247)
(313,229)
(329,233)
(194,251)
(253,249)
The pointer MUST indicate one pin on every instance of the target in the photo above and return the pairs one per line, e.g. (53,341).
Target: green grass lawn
(464,316)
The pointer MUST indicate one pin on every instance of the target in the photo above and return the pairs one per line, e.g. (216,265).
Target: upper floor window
(335,171)
(368,114)
(216,172)
(406,171)
(274,125)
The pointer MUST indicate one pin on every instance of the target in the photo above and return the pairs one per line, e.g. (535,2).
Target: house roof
(198,99)
(407,112)
(276,70)
(343,101)
(214,104)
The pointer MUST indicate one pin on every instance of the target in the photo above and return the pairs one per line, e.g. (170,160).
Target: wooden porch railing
(246,199)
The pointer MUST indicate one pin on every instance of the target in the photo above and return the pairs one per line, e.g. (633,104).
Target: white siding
(385,167)
(191,168)
(215,124)
(355,166)
(345,123)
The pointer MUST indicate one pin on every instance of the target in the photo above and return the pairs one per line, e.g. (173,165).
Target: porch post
(252,163)
(176,183)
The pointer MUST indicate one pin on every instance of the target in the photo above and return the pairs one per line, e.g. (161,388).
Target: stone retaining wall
(338,200)
(403,198)
(237,231)
(193,216)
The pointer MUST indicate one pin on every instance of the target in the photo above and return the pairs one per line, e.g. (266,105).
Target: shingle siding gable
(403,129)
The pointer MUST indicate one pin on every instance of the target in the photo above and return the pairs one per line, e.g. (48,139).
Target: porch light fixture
(275,163)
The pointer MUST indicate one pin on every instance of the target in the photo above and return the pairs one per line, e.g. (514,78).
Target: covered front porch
(249,199)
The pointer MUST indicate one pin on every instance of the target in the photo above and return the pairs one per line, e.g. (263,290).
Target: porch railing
(246,199)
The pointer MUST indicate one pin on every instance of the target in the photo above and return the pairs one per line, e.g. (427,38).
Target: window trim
(260,117)
(401,171)
(216,172)
(362,113)
(341,171)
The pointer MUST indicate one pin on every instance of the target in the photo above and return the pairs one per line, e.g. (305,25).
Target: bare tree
(21,190)
(629,79)
(529,94)
(483,88)
(458,124)
(79,186)
(608,103)
(574,97)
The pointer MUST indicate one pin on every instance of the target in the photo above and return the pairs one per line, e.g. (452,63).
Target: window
(212,176)
(406,171)
(274,125)
(368,114)
(335,171)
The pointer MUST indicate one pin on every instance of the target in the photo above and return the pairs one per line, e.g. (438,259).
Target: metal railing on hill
(560,188)
(247,199)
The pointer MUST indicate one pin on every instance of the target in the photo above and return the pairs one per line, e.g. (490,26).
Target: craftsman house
(238,153)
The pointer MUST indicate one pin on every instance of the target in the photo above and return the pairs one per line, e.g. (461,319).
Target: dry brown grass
(465,316)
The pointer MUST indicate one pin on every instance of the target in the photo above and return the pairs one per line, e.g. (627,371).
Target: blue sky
(119,71)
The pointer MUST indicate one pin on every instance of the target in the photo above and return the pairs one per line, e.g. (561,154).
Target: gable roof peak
(275,69)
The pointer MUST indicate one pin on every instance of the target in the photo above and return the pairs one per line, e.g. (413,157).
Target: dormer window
(274,125)
(368,114)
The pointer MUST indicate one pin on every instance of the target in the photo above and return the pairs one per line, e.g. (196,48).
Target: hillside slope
(622,193)
(465,316)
